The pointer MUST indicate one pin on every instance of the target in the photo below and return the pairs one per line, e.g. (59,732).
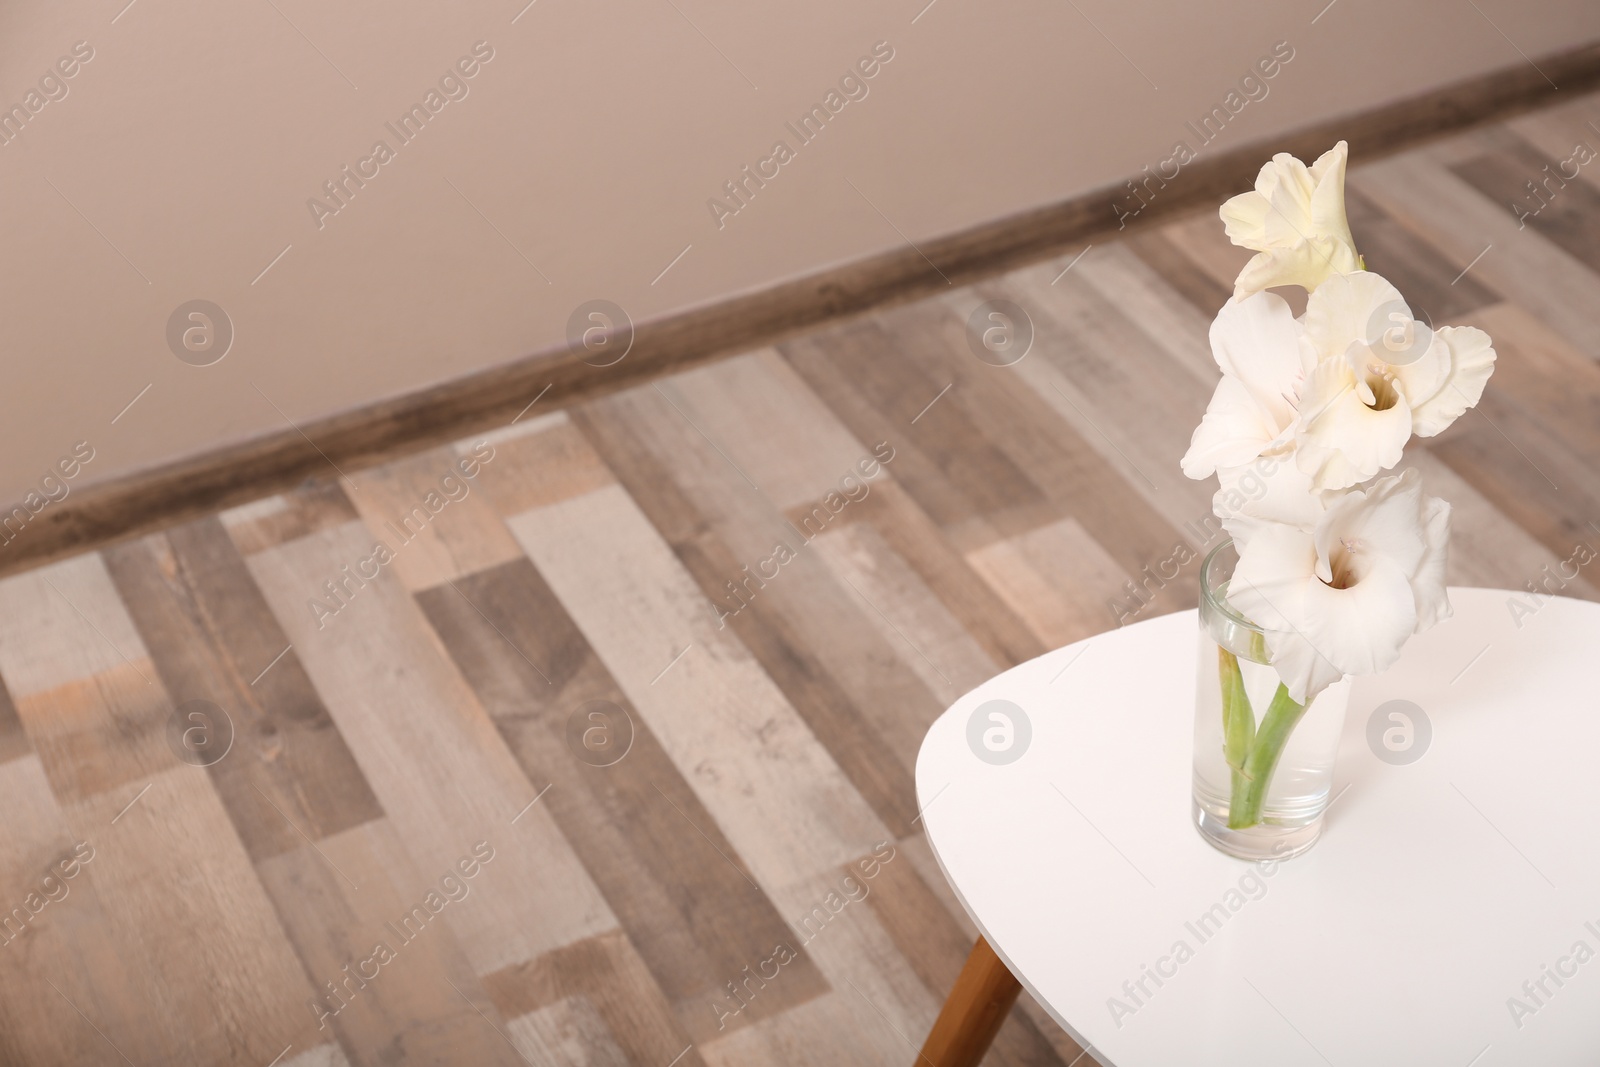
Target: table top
(1450,914)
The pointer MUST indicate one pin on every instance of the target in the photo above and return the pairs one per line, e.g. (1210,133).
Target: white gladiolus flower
(1341,597)
(1295,219)
(1379,376)
(1256,342)
(1337,565)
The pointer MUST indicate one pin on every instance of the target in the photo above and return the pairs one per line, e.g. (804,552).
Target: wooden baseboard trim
(159,496)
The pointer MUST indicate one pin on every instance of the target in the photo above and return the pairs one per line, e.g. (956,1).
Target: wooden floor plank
(384,967)
(1559,131)
(433,757)
(1534,191)
(848,478)
(923,634)
(635,824)
(879,1001)
(1548,378)
(313,506)
(607,973)
(774,427)
(221,978)
(1061,464)
(14,742)
(1202,289)
(1153,298)
(70,608)
(541,461)
(429,510)
(771,787)
(938,561)
(168,858)
(1069,588)
(567,1031)
(945,462)
(801,628)
(1520,264)
(1487,548)
(1135,413)
(841,675)
(1530,444)
(286,770)
(1433,286)
(1202,241)
(58,958)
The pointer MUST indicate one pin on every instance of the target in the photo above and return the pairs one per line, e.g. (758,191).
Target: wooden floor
(606,756)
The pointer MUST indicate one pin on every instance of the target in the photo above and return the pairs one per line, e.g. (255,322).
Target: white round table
(1449,915)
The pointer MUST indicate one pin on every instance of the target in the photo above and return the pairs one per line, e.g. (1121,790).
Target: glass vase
(1263,765)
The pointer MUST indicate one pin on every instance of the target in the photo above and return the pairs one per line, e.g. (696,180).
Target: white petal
(1272,489)
(1233,432)
(1267,178)
(1289,221)
(1385,520)
(1341,441)
(1327,202)
(1428,368)
(1269,587)
(1361,629)
(1258,341)
(1342,311)
(1331,162)
(1306,263)
(1244,218)
(1268,584)
(1303,670)
(1470,356)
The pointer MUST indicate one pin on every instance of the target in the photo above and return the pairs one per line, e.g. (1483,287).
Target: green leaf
(1238,718)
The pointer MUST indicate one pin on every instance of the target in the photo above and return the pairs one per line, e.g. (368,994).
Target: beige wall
(181,159)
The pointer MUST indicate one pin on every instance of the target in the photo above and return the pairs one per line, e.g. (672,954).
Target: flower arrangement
(1339,561)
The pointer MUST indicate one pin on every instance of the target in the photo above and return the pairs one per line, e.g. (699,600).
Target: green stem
(1283,714)
(1238,719)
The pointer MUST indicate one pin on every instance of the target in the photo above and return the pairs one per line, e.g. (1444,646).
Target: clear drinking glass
(1263,767)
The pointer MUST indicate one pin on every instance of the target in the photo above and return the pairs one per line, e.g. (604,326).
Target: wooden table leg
(972,1014)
